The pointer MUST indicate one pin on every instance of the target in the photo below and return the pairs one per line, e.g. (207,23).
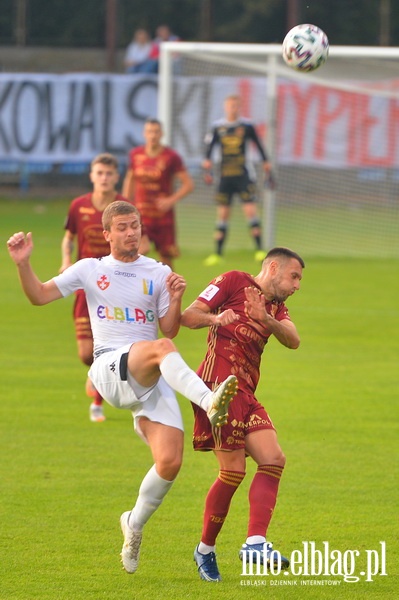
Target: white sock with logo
(184,380)
(153,490)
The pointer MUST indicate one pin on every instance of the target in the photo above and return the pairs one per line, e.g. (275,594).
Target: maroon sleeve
(71,219)
(282,313)
(177,163)
(217,292)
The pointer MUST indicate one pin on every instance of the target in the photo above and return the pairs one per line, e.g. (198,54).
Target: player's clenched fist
(20,246)
(176,284)
(226,317)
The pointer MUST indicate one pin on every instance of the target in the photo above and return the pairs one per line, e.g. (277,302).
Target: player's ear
(273,267)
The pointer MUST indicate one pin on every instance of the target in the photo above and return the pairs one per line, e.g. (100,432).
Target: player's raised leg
(148,359)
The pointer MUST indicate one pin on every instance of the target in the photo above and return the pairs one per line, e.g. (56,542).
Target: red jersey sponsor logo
(245,334)
(87,211)
(149,172)
(256,420)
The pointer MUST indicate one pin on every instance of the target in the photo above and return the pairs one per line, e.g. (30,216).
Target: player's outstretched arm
(20,248)
(199,315)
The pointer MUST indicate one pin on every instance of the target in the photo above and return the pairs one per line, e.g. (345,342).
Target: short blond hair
(119,207)
(232,97)
(105,159)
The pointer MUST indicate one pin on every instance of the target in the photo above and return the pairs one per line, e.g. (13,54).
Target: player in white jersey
(129,297)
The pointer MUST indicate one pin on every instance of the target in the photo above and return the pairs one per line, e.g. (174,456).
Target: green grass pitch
(65,481)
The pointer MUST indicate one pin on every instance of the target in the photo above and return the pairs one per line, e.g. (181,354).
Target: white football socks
(255,539)
(205,549)
(184,380)
(153,490)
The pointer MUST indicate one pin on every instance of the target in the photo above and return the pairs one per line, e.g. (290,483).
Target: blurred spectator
(163,34)
(137,57)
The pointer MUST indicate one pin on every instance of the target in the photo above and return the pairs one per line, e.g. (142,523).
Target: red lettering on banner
(388,124)
(261,131)
(245,93)
(368,122)
(56,118)
(373,132)
(304,103)
(332,106)
(393,130)
(352,129)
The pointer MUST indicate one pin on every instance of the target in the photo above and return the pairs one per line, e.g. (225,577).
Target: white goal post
(332,136)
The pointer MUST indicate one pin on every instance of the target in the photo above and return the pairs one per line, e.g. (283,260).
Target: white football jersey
(125,299)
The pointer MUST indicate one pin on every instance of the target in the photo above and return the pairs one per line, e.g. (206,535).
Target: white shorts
(112,379)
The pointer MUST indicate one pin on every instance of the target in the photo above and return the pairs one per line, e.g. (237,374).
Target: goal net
(332,136)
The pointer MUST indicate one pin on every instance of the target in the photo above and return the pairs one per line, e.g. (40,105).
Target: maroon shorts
(81,317)
(163,235)
(246,415)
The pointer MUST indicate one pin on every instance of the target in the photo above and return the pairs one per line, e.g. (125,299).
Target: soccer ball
(305,47)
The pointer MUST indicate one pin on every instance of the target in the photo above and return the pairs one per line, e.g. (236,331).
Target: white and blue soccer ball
(305,47)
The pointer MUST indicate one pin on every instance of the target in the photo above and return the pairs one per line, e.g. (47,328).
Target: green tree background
(82,24)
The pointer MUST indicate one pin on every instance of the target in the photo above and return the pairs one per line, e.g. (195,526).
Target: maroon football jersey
(153,177)
(84,221)
(235,349)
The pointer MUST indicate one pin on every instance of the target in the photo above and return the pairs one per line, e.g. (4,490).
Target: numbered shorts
(246,415)
(111,378)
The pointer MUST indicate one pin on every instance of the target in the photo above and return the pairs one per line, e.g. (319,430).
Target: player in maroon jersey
(83,225)
(149,182)
(242,312)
